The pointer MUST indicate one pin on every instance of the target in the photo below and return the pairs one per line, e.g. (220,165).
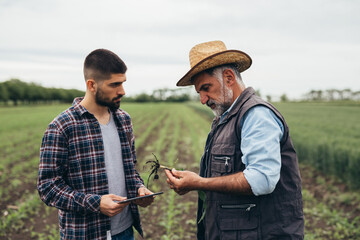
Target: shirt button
(100,143)
(102,164)
(96,125)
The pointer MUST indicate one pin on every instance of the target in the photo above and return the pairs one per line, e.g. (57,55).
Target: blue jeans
(128,234)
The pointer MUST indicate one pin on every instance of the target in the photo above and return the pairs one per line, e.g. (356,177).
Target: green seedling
(154,168)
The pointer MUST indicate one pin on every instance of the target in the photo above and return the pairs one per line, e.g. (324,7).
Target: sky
(295,46)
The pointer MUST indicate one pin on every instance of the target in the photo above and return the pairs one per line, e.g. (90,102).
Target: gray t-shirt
(115,172)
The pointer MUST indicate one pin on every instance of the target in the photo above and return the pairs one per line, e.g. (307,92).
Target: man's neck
(237,90)
(101,113)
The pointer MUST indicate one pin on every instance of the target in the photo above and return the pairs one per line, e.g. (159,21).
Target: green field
(326,138)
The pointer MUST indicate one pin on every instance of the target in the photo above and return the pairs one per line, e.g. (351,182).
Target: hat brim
(241,59)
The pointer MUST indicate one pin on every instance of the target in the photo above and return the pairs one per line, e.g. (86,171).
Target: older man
(249,171)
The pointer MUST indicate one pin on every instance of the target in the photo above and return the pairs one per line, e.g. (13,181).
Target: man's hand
(110,208)
(182,181)
(144,202)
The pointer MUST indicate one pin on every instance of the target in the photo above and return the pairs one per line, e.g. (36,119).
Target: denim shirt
(261,133)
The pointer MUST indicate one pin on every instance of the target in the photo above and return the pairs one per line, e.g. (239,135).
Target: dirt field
(176,134)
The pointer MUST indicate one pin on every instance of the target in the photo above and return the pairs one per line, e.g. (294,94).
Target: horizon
(192,93)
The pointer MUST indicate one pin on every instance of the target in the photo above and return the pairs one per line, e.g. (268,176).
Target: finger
(141,191)
(177,174)
(118,198)
(121,205)
(148,192)
(172,178)
(169,174)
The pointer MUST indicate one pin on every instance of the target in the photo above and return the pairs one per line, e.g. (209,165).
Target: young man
(87,158)
(249,171)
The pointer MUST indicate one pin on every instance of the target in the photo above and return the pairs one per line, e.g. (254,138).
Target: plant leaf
(202,197)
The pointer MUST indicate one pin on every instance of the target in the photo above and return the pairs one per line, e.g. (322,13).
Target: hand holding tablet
(136,198)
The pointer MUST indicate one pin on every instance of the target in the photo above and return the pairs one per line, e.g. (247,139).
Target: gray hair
(218,71)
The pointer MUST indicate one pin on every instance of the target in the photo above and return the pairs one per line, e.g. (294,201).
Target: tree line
(333,95)
(16,91)
(164,95)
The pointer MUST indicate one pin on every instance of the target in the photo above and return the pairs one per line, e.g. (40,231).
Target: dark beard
(102,101)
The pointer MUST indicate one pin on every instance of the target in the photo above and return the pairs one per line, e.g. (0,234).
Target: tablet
(136,198)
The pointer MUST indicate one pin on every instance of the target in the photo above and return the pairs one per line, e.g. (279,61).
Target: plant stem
(164,167)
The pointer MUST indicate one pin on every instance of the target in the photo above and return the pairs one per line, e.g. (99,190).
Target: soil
(153,218)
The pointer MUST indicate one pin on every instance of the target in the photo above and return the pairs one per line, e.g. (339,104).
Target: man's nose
(121,91)
(203,98)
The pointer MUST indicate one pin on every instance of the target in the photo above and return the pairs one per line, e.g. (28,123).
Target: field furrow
(326,142)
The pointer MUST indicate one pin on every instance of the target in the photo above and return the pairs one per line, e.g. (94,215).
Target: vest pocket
(238,221)
(222,160)
(221,165)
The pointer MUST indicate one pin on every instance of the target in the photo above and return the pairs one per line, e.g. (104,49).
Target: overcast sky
(295,46)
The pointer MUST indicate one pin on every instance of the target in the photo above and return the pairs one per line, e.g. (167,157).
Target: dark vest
(278,215)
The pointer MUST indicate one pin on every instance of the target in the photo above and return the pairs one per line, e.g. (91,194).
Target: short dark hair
(101,63)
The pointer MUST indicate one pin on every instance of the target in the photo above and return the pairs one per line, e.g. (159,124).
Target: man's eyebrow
(203,86)
(118,82)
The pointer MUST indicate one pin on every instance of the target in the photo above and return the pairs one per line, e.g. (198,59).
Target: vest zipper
(247,207)
(226,159)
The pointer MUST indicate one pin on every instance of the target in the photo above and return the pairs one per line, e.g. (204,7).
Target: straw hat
(211,54)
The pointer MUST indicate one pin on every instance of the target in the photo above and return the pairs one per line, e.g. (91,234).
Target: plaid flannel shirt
(72,174)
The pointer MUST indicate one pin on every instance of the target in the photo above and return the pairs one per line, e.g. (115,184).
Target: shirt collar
(78,107)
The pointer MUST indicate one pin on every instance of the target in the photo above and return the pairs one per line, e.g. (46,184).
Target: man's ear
(229,77)
(91,85)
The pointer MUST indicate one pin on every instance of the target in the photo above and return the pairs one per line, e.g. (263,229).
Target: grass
(326,137)
(21,130)
(168,139)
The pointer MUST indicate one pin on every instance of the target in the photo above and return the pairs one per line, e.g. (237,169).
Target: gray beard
(221,107)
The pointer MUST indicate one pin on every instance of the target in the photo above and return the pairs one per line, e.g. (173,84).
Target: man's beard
(100,99)
(222,105)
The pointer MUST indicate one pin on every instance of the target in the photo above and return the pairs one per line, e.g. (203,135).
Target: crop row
(176,134)
(22,213)
(171,141)
(327,137)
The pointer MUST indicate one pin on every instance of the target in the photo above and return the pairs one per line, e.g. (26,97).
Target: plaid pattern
(72,174)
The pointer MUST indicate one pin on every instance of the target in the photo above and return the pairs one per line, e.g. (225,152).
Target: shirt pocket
(238,221)
(222,160)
